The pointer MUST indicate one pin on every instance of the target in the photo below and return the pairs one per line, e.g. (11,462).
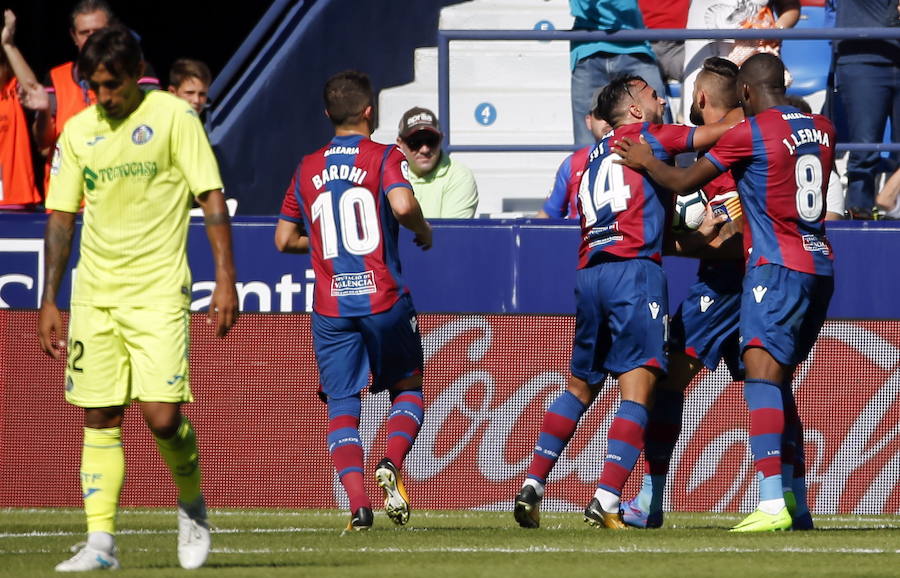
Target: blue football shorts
(783,310)
(707,325)
(621,319)
(347,348)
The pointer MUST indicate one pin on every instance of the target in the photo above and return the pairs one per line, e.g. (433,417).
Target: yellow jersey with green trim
(137,177)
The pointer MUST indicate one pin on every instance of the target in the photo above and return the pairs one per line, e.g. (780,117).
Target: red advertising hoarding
(488,380)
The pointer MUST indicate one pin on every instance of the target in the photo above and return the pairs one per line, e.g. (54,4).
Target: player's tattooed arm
(57,247)
(223,306)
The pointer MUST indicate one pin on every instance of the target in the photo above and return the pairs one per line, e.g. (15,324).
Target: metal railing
(445,36)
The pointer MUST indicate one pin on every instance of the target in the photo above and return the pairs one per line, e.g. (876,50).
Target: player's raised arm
(223,307)
(407,210)
(639,156)
(57,246)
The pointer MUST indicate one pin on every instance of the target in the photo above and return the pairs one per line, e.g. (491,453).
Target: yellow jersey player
(136,160)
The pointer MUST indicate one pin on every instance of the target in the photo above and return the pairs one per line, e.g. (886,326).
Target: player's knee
(682,369)
(412,382)
(103,417)
(584,391)
(760,364)
(163,419)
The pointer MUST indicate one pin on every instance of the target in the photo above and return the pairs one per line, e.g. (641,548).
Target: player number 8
(808,172)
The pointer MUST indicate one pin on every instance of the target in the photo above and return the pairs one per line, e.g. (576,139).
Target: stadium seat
(500,93)
(809,60)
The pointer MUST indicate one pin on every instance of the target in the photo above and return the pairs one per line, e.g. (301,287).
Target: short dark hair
(346,95)
(764,71)
(722,74)
(612,96)
(115,48)
(89,7)
(185,68)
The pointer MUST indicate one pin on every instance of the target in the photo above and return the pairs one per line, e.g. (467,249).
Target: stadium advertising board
(488,381)
(483,266)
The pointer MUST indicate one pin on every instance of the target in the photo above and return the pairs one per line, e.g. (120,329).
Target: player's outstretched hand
(711,224)
(634,154)
(423,239)
(223,308)
(48,330)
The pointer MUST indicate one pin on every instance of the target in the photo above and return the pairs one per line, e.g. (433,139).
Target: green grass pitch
(460,544)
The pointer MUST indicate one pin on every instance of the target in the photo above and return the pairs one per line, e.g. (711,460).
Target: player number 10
(358,219)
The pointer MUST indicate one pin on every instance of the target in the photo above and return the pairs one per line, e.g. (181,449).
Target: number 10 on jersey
(357,218)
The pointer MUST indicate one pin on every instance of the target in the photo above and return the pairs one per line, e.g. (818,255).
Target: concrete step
(507,15)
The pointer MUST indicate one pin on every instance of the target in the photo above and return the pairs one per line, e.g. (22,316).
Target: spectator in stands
(669,53)
(68,93)
(888,200)
(563,198)
(724,14)
(17,188)
(594,63)
(190,79)
(870,103)
(444,188)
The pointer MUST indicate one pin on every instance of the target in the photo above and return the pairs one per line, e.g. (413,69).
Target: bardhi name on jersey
(339,193)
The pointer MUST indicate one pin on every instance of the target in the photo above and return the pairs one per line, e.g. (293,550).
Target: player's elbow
(403,207)
(288,238)
(281,243)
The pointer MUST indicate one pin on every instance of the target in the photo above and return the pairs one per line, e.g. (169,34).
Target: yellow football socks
(102,476)
(181,455)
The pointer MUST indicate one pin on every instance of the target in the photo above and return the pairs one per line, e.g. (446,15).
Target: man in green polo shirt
(444,188)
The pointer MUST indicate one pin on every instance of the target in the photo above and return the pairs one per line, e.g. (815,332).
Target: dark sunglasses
(415,141)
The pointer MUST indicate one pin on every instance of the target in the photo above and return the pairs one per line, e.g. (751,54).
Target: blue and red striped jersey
(623,211)
(340,194)
(562,201)
(721,193)
(781,159)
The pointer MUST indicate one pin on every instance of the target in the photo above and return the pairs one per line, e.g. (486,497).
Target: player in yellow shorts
(136,160)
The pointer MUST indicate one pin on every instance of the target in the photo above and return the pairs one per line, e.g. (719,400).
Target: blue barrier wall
(488,266)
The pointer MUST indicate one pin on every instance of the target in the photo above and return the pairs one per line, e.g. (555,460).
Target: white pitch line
(530,550)
(37,534)
(437,514)
(307,530)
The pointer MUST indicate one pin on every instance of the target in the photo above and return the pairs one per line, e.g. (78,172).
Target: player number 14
(609,189)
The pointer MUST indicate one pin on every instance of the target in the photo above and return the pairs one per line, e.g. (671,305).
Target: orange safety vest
(16,171)
(71,99)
